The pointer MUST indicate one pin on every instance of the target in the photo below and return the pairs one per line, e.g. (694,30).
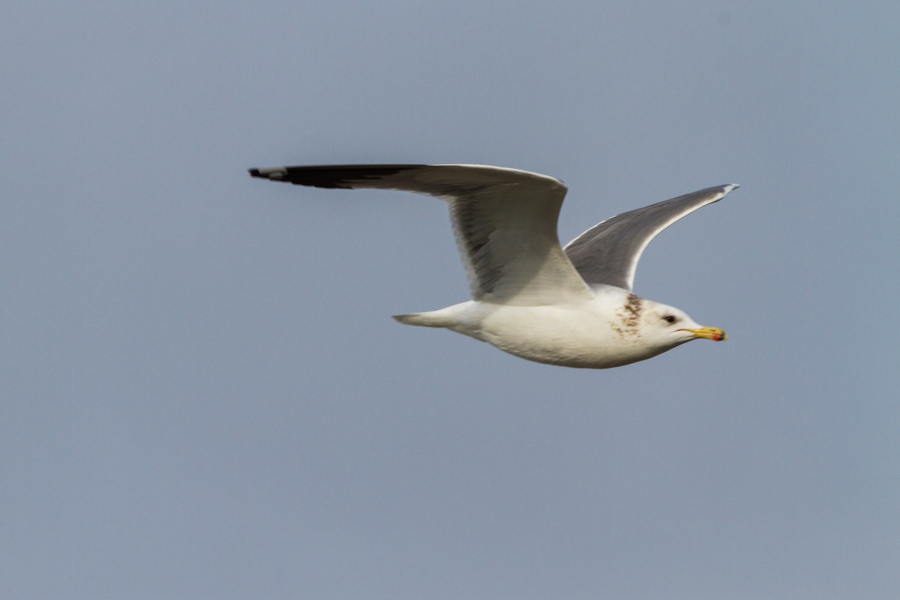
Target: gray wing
(608,252)
(504,221)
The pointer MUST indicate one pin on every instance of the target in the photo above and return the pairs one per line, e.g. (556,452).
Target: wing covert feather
(504,221)
(608,252)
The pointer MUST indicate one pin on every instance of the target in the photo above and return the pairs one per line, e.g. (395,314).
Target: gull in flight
(532,298)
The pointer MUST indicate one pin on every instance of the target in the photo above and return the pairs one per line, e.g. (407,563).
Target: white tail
(429,319)
(453,318)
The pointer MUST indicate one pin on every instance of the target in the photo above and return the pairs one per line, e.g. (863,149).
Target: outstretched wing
(504,221)
(609,251)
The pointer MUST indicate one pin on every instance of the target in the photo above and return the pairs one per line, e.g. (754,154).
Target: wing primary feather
(331,176)
(504,221)
(608,252)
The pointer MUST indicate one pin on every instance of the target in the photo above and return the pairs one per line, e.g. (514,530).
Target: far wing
(504,221)
(608,252)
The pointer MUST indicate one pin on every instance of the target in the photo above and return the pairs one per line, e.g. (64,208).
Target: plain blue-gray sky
(202,394)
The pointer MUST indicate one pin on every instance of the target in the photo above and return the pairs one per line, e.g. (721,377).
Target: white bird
(569,306)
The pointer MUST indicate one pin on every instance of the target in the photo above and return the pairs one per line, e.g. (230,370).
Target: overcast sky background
(203,395)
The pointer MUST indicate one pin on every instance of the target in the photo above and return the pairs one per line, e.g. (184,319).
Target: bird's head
(668,326)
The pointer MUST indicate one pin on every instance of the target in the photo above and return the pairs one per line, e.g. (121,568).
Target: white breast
(583,334)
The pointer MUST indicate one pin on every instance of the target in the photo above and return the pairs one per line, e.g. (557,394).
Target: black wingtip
(274,173)
(330,176)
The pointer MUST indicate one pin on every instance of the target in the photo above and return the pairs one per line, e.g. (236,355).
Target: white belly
(577,335)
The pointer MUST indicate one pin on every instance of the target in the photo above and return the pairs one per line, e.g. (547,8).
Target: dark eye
(669,318)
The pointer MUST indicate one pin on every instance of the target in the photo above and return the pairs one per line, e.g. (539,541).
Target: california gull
(532,298)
